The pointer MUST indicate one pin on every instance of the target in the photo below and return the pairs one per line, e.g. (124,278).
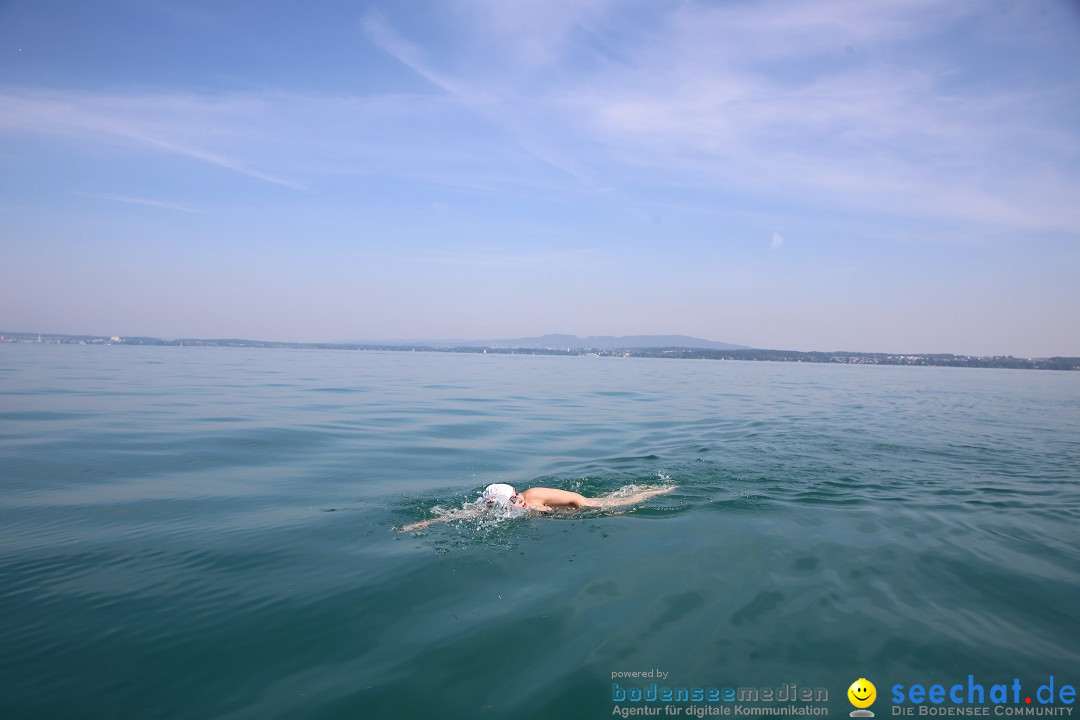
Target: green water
(208,533)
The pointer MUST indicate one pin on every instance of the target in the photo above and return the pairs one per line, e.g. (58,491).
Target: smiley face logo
(862,693)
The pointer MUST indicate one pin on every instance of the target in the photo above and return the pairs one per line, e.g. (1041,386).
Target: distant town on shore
(641,346)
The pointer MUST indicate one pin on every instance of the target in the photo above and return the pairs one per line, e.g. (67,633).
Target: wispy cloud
(532,34)
(760,105)
(133,119)
(502,111)
(826,125)
(777,240)
(382,34)
(784,103)
(149,202)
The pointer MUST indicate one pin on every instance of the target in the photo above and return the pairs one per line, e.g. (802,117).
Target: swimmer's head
(499,495)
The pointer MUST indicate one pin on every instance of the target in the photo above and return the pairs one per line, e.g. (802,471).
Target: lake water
(209,533)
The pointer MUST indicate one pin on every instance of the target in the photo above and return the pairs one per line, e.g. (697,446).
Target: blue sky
(879,176)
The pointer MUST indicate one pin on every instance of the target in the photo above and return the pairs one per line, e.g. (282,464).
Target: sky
(887,176)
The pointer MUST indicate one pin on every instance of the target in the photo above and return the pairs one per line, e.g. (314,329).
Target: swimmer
(501,496)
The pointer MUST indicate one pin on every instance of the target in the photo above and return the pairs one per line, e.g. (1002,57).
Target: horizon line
(451,343)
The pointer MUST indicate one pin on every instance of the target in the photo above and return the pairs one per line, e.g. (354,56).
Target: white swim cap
(499,494)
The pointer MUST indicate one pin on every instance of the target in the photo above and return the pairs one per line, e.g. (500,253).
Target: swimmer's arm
(421,525)
(546,499)
(455,515)
(612,502)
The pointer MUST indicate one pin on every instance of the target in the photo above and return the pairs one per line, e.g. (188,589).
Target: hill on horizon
(573,342)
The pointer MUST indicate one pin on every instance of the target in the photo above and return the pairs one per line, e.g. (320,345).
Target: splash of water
(478,512)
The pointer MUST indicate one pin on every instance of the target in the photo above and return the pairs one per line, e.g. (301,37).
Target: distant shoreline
(832,357)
